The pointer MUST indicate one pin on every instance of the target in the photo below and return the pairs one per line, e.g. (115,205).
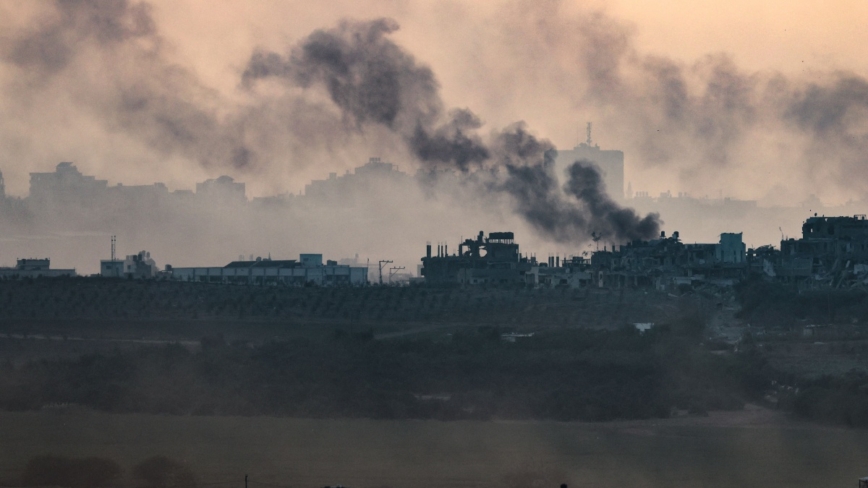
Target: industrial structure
(308,270)
(136,266)
(34,268)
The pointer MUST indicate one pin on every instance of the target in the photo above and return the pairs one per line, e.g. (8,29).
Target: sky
(760,100)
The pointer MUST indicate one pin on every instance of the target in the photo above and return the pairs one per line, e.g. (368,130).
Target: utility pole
(382,262)
(392,271)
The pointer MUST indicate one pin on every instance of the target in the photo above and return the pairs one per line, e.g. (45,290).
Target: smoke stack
(557,261)
(428,250)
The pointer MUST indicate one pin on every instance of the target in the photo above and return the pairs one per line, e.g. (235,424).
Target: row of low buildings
(832,251)
(496,260)
(34,268)
(308,270)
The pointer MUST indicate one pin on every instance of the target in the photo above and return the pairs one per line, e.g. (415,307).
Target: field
(312,387)
(750,448)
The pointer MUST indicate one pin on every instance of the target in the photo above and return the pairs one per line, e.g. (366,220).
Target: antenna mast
(392,271)
(382,262)
(589,133)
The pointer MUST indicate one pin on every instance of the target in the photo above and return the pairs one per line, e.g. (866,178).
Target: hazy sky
(748,98)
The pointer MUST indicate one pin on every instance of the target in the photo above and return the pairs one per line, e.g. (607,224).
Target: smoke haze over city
(452,243)
(276,95)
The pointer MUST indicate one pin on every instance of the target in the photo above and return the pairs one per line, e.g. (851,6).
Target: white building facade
(308,270)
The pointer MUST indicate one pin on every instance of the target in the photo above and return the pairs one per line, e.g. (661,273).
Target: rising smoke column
(374,81)
(580,210)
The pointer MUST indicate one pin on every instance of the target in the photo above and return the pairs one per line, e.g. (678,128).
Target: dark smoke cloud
(704,118)
(607,218)
(582,210)
(138,91)
(374,81)
(51,46)
(590,213)
(108,58)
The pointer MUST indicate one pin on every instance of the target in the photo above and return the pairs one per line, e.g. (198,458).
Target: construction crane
(382,262)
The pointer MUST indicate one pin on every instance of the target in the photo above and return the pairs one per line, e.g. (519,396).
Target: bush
(70,473)
(162,472)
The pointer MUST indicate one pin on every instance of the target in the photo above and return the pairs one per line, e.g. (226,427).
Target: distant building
(485,260)
(610,163)
(731,249)
(65,183)
(223,188)
(137,266)
(668,261)
(137,195)
(830,248)
(309,269)
(357,186)
(34,268)
(111,268)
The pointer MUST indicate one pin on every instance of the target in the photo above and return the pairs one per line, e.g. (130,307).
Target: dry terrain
(751,448)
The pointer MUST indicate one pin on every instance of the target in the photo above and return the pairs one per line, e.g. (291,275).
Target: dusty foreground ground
(751,448)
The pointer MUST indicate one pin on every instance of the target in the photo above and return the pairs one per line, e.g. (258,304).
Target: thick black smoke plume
(578,211)
(375,81)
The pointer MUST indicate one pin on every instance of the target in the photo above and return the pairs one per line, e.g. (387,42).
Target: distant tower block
(610,162)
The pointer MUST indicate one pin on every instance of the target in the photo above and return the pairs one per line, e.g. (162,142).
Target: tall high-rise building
(610,162)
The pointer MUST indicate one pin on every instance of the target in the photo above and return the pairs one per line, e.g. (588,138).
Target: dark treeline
(471,374)
(95,472)
(317,356)
(782,305)
(119,300)
(813,326)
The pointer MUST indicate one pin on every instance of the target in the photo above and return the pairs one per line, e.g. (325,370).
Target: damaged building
(832,251)
(669,261)
(494,259)
(662,262)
